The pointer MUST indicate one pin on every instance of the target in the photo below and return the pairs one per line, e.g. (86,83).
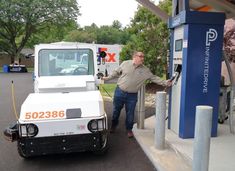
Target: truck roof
(77,44)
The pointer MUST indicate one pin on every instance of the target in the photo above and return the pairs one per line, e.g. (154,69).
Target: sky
(104,12)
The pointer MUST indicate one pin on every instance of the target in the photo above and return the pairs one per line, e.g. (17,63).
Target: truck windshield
(57,62)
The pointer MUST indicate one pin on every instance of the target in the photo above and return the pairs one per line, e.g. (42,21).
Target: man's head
(138,58)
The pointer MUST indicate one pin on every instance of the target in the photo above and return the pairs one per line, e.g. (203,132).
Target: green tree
(52,33)
(116,24)
(108,35)
(20,19)
(80,35)
(88,34)
(150,35)
(113,34)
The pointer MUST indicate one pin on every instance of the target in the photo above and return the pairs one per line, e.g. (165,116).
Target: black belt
(126,91)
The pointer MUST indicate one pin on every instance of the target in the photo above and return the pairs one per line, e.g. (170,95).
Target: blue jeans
(122,98)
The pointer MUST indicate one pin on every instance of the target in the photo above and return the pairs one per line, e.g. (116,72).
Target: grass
(107,89)
(30,69)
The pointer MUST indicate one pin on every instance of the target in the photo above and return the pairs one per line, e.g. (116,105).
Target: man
(132,74)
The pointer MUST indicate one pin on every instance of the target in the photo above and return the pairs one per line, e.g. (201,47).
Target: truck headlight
(93,125)
(28,130)
(97,125)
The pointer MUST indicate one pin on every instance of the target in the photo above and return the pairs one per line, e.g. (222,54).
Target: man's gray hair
(135,52)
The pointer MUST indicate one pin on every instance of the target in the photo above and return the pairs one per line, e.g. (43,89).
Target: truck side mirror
(99,75)
(101,57)
(103,54)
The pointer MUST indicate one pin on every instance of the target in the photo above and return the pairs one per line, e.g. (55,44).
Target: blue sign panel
(200,75)
(201,47)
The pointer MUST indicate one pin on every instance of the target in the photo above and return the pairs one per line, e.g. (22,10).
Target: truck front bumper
(62,144)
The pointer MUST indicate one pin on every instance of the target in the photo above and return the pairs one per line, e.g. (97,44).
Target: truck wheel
(20,151)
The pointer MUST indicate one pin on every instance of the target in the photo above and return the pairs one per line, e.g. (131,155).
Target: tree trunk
(15,59)
(12,59)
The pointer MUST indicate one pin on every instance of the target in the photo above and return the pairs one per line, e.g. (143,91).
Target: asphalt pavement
(124,154)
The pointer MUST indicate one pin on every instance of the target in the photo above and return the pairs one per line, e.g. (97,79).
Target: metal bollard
(201,146)
(160,120)
(141,108)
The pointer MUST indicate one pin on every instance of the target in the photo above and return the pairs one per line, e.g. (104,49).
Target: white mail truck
(66,111)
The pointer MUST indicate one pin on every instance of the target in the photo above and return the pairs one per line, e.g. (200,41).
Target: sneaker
(112,129)
(130,134)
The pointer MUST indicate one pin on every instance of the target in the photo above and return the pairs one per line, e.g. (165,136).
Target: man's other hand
(104,78)
(169,83)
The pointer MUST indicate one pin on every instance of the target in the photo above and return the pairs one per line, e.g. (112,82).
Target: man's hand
(169,83)
(104,78)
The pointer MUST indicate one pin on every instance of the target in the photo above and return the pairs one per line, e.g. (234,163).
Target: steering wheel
(80,71)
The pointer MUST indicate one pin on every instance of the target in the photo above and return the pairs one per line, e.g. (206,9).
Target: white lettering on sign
(211,36)
(206,70)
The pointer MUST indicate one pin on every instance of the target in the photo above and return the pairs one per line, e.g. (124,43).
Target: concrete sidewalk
(178,153)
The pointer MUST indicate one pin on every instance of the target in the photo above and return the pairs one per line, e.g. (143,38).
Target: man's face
(138,58)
